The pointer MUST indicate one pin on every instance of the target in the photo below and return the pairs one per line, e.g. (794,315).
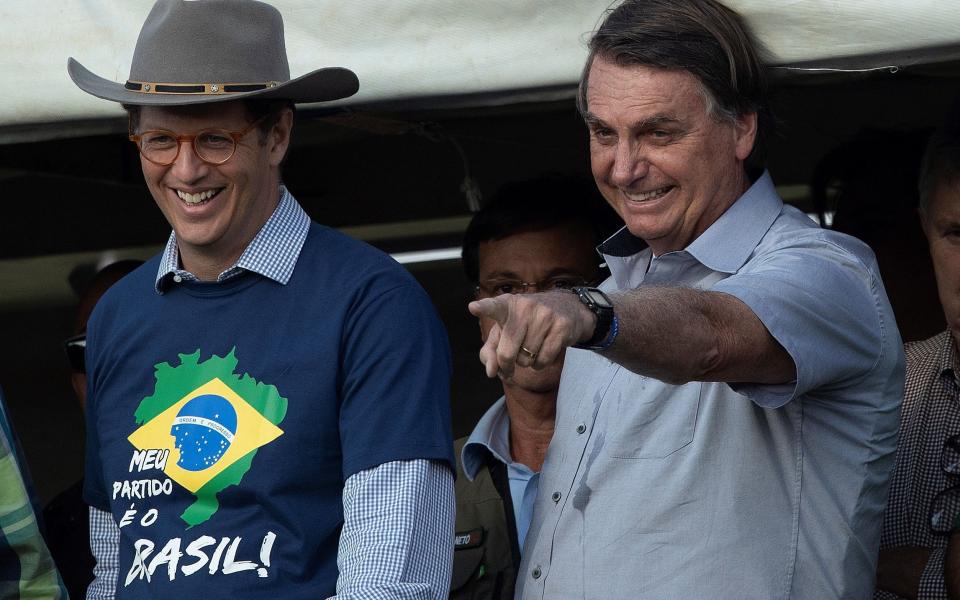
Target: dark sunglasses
(76,347)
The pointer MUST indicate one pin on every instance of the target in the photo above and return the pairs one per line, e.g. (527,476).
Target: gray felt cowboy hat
(199,51)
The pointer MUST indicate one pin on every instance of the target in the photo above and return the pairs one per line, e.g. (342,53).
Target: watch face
(598,298)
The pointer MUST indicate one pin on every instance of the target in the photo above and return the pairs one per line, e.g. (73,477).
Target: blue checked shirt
(398,517)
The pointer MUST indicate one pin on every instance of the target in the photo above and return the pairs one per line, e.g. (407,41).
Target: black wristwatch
(607,326)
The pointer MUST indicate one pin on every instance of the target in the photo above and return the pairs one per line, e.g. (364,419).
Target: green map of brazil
(212,421)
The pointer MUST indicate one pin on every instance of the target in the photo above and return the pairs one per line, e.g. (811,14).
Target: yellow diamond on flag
(205,432)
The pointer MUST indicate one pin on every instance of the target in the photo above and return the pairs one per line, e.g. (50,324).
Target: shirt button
(177,278)
(556,496)
(581,428)
(536,572)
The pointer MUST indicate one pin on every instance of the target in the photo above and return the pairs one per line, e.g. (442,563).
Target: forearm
(397,537)
(680,334)
(105,547)
(669,333)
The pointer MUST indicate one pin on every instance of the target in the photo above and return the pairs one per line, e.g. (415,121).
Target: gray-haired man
(924,499)
(268,403)
(729,429)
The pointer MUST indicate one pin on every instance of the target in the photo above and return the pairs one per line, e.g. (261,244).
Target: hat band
(148,87)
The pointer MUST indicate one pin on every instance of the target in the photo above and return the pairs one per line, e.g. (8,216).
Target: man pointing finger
(737,355)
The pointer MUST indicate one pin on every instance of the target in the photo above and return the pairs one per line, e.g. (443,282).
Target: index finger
(494,308)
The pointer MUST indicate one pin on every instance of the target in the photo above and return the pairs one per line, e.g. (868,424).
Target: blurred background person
(66,515)
(924,492)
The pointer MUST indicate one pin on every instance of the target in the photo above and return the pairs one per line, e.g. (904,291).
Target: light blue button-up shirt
(730,491)
(492,435)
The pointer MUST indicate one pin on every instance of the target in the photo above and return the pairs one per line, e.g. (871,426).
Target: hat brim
(322,85)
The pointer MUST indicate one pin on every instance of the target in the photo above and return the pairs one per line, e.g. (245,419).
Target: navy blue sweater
(224,418)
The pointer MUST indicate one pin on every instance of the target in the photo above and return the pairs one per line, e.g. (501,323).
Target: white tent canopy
(404,49)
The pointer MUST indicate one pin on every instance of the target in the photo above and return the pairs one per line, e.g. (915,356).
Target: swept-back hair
(702,37)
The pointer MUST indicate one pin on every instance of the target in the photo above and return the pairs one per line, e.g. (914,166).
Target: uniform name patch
(468,539)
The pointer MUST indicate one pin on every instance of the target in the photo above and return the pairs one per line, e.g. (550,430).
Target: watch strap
(607,327)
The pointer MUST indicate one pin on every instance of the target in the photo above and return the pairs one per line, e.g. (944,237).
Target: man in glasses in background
(534,236)
(925,487)
(268,400)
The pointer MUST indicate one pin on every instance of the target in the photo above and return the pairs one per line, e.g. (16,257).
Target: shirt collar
(724,247)
(491,437)
(273,252)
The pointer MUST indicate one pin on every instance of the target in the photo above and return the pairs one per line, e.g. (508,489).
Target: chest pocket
(649,419)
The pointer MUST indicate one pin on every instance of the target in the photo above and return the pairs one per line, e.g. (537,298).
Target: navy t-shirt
(224,418)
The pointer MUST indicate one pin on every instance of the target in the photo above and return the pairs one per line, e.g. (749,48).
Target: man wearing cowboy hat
(268,406)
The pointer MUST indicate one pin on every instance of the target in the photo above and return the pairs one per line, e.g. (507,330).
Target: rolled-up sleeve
(397,538)
(105,547)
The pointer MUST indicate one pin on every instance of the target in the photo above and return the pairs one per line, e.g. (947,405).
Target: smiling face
(215,210)
(665,165)
(561,253)
(942,226)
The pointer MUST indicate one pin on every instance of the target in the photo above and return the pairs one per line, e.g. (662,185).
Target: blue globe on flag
(204,429)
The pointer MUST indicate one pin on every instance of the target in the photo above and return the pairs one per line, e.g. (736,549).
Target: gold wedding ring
(532,355)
